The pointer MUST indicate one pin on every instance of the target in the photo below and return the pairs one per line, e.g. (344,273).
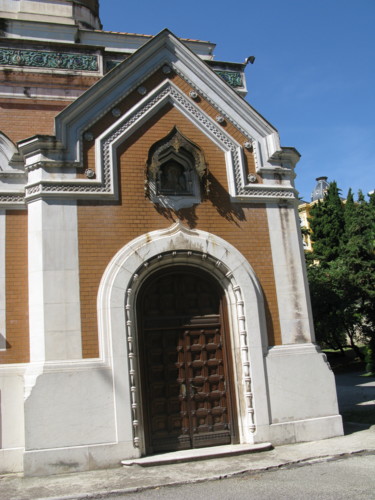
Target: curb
(271,468)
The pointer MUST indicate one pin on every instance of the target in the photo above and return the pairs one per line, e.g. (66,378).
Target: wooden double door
(186,369)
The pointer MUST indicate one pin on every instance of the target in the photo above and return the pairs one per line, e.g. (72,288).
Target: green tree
(327,226)
(327,304)
(359,258)
(341,271)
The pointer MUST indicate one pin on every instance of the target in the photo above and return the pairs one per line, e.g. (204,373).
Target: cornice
(107,144)
(12,200)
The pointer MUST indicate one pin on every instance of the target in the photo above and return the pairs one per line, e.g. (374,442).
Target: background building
(153,293)
(304,207)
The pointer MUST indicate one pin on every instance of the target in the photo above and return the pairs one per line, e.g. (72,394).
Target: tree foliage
(341,271)
(326,223)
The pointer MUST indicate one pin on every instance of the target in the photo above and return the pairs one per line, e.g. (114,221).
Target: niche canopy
(176,169)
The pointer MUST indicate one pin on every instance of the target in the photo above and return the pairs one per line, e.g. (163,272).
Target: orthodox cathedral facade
(153,295)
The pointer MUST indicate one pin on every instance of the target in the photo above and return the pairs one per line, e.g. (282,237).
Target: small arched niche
(176,172)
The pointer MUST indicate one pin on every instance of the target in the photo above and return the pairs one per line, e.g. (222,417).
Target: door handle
(183,390)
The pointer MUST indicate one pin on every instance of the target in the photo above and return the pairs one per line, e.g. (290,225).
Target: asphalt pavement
(356,396)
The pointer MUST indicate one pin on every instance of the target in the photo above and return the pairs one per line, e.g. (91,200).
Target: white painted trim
(165,48)
(293,350)
(108,40)
(54,297)
(290,280)
(302,394)
(42,93)
(106,145)
(12,175)
(2,280)
(166,92)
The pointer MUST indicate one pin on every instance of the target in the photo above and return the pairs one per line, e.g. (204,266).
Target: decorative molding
(233,78)
(252,178)
(52,164)
(12,200)
(39,92)
(90,174)
(116,112)
(106,151)
(175,170)
(117,320)
(8,200)
(51,60)
(204,261)
(163,49)
(293,350)
(12,175)
(266,192)
(142,90)
(255,144)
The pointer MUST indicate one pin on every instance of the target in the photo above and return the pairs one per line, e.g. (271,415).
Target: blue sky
(313,77)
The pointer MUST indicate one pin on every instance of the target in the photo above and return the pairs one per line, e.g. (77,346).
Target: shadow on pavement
(356,397)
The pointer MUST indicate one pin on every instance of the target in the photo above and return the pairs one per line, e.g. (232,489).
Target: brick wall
(16,289)
(23,118)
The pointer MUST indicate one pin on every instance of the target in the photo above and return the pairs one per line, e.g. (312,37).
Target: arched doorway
(186,372)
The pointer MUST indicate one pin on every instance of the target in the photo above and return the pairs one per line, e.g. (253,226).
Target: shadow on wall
(219,198)
(221,201)
(4,344)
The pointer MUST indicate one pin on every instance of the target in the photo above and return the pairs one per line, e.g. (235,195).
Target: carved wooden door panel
(186,389)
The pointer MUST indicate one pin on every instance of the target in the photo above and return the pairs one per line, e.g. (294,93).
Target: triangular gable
(163,54)
(163,49)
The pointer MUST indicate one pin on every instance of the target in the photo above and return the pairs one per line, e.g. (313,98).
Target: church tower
(83,13)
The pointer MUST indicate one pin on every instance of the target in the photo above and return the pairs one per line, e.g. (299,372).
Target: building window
(176,170)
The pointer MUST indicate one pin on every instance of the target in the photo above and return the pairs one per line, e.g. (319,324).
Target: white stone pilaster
(55,322)
(2,282)
(290,275)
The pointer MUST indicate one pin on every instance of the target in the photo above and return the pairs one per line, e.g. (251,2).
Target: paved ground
(352,477)
(356,396)
(357,402)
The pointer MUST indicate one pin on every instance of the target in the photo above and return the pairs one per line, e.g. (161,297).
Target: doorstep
(197,454)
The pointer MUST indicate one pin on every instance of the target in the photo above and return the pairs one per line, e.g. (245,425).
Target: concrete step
(197,454)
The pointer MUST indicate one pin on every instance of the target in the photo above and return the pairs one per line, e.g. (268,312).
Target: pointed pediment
(165,51)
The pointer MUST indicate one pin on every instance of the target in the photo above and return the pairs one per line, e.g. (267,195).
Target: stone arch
(118,291)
